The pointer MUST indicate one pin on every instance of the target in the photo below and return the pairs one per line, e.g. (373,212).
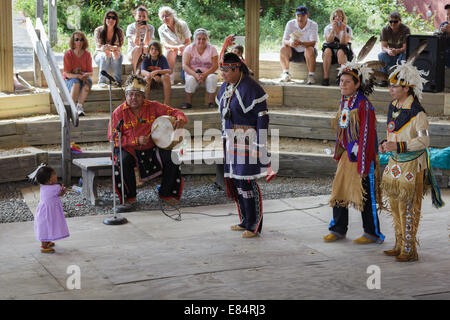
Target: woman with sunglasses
(108,40)
(393,44)
(78,69)
(139,35)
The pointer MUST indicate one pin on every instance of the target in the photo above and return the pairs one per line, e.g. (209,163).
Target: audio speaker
(431,60)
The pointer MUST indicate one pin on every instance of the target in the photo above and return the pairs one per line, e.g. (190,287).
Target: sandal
(47,250)
(186,106)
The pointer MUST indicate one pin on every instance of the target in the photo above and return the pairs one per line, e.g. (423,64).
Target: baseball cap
(301,10)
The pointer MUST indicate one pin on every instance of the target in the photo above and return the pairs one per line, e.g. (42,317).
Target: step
(299,71)
(290,121)
(288,94)
(287,163)
(327,98)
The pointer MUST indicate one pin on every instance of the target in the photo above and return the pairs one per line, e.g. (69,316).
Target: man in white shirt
(299,41)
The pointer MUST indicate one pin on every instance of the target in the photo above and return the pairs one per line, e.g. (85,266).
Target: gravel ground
(198,191)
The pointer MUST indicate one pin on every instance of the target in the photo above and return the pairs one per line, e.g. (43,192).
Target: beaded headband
(231,65)
(351,72)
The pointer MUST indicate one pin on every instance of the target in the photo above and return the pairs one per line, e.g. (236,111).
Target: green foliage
(225,17)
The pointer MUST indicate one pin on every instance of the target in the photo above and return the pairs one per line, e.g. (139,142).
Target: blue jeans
(390,61)
(105,63)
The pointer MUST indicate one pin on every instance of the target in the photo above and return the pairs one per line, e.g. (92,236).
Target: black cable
(178,218)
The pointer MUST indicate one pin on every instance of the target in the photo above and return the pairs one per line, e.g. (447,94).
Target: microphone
(119,125)
(107,75)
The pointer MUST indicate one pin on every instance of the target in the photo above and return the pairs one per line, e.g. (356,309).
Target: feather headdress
(406,74)
(365,72)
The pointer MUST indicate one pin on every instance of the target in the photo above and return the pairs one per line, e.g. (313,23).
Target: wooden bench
(89,169)
(91,166)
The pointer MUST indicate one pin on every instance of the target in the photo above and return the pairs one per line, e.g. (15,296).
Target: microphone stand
(117,219)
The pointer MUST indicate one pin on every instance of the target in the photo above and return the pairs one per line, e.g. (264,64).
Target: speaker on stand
(431,60)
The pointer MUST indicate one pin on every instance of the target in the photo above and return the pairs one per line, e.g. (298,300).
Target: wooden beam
(40,9)
(37,75)
(52,23)
(252,8)
(6,48)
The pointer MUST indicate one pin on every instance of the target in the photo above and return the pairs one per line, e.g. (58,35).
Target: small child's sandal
(47,250)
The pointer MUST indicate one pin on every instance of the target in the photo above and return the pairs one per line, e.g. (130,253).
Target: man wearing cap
(138,148)
(299,41)
(245,120)
(393,44)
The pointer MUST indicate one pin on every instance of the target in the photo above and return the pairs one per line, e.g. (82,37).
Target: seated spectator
(236,48)
(200,63)
(239,51)
(174,35)
(78,69)
(393,44)
(299,41)
(337,46)
(156,71)
(444,29)
(139,35)
(108,41)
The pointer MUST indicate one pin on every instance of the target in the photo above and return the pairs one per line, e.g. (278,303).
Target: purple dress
(49,222)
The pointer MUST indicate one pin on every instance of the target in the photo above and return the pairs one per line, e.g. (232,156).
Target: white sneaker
(285,77)
(103,85)
(80,109)
(310,79)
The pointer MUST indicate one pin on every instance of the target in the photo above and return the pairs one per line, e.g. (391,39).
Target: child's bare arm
(63,190)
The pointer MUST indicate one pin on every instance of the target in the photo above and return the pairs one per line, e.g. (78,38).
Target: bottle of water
(77,189)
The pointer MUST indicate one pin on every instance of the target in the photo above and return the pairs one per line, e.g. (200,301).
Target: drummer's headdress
(366,72)
(406,74)
(135,83)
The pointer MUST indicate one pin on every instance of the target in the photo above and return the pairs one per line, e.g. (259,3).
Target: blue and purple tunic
(245,123)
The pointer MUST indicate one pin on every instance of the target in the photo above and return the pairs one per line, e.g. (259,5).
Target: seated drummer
(138,148)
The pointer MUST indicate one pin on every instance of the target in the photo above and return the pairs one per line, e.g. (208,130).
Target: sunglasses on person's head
(78,39)
(111,17)
(393,21)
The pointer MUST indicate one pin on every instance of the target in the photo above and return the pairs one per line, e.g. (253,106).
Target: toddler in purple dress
(49,222)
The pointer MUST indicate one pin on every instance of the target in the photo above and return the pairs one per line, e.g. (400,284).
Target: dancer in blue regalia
(245,120)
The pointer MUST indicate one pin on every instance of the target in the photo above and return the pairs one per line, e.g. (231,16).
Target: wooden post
(52,23)
(6,48)
(40,9)
(37,75)
(252,8)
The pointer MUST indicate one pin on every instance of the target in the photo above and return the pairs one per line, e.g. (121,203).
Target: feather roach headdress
(406,74)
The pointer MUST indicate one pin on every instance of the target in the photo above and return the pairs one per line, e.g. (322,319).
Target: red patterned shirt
(136,126)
